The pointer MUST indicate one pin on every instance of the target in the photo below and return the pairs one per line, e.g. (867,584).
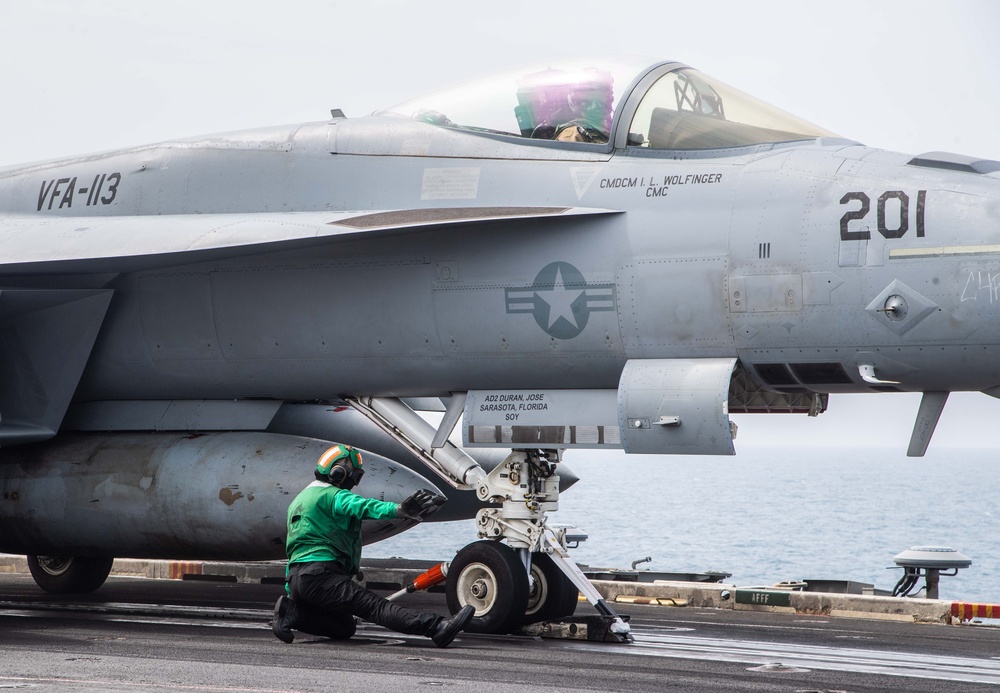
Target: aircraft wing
(127,243)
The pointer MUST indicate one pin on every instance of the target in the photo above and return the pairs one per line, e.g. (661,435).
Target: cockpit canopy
(663,106)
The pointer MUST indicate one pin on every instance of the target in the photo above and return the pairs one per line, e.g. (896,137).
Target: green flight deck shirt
(324,524)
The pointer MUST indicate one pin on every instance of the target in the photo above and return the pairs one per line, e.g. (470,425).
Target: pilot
(324,552)
(554,101)
(590,103)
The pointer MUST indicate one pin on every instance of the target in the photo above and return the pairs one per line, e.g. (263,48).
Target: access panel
(676,406)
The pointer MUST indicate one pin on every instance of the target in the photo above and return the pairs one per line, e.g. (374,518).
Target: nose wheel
(552,595)
(489,576)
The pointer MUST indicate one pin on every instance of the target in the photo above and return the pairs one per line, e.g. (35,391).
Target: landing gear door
(676,406)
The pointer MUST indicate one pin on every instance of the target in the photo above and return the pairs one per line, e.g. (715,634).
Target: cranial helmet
(340,466)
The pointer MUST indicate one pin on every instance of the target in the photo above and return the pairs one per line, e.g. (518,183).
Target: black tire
(490,576)
(69,574)
(553,595)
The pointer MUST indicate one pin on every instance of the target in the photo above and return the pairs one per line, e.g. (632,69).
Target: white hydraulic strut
(560,555)
(429,444)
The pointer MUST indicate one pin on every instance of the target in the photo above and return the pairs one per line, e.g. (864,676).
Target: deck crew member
(323,545)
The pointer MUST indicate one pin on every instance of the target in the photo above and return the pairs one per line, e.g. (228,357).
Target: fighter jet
(595,253)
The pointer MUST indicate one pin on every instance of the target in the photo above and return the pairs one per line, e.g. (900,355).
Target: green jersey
(324,524)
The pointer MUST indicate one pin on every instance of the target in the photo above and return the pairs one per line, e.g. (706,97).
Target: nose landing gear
(529,578)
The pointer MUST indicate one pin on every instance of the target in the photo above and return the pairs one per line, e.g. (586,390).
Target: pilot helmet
(590,99)
(340,466)
(555,97)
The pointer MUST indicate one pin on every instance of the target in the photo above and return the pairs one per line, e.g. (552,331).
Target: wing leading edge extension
(126,243)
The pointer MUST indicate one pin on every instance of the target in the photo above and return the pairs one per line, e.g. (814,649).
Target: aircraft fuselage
(786,257)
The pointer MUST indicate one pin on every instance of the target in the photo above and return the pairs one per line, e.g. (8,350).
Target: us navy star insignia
(561,300)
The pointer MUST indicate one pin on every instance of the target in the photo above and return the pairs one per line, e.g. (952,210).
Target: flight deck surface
(143,634)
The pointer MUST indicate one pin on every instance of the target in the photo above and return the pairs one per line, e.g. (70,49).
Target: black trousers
(327,600)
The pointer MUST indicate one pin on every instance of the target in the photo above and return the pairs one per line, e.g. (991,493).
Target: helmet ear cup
(339,472)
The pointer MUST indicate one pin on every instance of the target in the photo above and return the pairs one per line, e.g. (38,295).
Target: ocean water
(785,514)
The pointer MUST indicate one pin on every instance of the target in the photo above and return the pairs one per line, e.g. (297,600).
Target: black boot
(447,628)
(281,626)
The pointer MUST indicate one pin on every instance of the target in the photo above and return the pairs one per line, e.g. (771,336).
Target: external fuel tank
(172,495)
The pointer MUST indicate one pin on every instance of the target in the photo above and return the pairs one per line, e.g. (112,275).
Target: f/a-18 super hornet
(606,253)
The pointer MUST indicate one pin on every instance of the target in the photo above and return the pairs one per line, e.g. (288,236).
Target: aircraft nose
(954,213)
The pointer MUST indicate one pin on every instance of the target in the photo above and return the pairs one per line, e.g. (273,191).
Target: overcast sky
(911,76)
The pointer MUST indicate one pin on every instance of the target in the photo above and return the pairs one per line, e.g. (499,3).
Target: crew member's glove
(419,505)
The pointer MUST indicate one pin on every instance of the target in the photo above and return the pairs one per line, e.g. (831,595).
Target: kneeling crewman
(324,553)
